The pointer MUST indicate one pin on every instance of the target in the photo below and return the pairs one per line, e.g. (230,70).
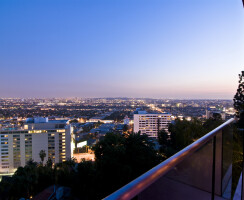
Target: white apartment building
(151,123)
(19,146)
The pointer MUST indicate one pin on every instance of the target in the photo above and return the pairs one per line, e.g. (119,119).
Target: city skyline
(156,49)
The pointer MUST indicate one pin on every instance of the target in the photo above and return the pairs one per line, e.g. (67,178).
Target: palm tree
(42,155)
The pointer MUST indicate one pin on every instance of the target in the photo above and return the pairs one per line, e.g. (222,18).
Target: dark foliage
(239,101)
(121,159)
(238,132)
(183,132)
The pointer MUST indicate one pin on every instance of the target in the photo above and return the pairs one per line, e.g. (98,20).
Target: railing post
(213,168)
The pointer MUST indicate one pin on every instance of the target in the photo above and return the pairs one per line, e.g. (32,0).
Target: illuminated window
(37,131)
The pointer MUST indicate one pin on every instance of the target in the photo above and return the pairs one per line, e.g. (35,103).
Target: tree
(163,137)
(49,163)
(125,128)
(211,124)
(238,131)
(31,162)
(42,155)
(164,140)
(140,153)
(239,100)
(120,159)
(85,181)
(183,132)
(65,172)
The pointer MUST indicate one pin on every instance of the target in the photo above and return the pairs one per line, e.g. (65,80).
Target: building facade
(151,123)
(213,113)
(21,145)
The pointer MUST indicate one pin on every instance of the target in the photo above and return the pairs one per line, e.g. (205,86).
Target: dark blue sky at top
(115,48)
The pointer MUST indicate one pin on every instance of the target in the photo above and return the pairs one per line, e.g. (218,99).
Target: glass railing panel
(203,170)
(227,148)
(191,179)
(237,163)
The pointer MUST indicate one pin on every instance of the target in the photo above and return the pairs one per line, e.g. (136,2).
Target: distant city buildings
(14,110)
(151,123)
(103,129)
(91,118)
(20,145)
(214,113)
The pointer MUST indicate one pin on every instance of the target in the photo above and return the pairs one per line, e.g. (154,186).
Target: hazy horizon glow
(121,48)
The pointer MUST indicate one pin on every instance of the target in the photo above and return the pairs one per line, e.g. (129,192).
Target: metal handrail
(139,184)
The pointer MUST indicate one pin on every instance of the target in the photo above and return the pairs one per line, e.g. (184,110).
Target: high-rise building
(20,145)
(151,123)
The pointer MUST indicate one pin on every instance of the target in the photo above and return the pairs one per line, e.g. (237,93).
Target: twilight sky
(121,48)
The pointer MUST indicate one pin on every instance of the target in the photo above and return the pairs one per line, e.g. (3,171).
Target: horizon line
(160,98)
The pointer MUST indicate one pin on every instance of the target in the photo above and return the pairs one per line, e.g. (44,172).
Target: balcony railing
(202,170)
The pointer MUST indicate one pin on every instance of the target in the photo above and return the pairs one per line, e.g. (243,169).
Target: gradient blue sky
(121,48)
